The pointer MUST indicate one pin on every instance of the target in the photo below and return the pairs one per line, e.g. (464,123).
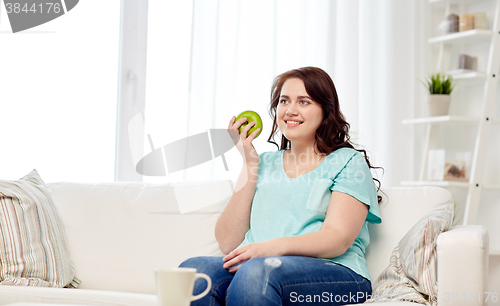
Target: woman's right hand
(244,143)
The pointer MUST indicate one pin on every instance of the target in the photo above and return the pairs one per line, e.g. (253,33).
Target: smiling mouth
(293,123)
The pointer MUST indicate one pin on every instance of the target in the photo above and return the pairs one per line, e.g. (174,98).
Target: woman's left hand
(234,260)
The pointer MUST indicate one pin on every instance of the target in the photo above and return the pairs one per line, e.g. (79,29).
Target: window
(167,74)
(58,95)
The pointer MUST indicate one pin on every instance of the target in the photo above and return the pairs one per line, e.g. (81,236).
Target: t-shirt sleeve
(356,180)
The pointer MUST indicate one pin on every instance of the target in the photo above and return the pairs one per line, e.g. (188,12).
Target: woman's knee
(255,283)
(252,268)
(259,271)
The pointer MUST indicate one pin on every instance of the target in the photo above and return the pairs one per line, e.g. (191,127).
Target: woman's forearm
(325,243)
(234,221)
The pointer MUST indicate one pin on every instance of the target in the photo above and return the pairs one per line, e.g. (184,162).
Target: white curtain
(238,47)
(375,69)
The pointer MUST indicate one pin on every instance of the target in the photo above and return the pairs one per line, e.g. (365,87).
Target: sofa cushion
(412,272)
(119,232)
(400,209)
(33,248)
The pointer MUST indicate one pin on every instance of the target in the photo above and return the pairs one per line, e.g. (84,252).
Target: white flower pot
(438,105)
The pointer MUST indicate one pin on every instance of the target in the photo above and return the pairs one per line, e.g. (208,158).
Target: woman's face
(298,115)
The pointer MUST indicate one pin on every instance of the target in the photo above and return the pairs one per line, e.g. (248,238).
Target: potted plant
(438,101)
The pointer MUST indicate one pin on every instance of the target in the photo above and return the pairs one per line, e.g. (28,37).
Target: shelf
(441,119)
(464,77)
(454,1)
(464,37)
(436,183)
(466,74)
(460,74)
(447,184)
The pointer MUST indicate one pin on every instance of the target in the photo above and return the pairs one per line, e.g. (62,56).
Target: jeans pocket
(319,196)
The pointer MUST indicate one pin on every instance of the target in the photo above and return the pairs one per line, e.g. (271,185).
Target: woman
(295,230)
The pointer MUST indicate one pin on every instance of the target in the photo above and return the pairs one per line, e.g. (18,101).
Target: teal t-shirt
(285,207)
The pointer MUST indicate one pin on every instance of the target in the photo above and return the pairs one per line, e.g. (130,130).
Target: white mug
(174,286)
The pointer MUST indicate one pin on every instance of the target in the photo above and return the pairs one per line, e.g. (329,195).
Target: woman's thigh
(296,280)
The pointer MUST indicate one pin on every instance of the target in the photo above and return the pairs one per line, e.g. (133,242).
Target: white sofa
(119,232)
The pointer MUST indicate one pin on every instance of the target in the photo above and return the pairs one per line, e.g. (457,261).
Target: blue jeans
(281,280)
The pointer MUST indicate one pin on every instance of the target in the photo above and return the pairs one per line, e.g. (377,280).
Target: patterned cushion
(412,272)
(33,249)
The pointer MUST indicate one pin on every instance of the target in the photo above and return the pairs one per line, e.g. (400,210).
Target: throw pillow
(33,248)
(412,272)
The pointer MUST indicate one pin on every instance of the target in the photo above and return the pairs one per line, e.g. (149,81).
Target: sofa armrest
(463,254)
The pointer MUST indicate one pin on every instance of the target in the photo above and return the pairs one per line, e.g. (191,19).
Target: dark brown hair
(333,132)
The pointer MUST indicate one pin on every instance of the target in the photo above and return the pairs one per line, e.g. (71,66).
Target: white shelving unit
(451,1)
(442,119)
(471,36)
(483,123)
(436,183)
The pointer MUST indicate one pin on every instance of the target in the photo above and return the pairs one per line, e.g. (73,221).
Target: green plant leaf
(439,84)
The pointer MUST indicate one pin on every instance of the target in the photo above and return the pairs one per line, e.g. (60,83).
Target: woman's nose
(291,111)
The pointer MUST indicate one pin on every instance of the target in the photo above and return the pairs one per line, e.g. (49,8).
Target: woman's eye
(283,101)
(304,101)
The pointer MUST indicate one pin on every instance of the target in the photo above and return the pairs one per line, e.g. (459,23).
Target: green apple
(251,116)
